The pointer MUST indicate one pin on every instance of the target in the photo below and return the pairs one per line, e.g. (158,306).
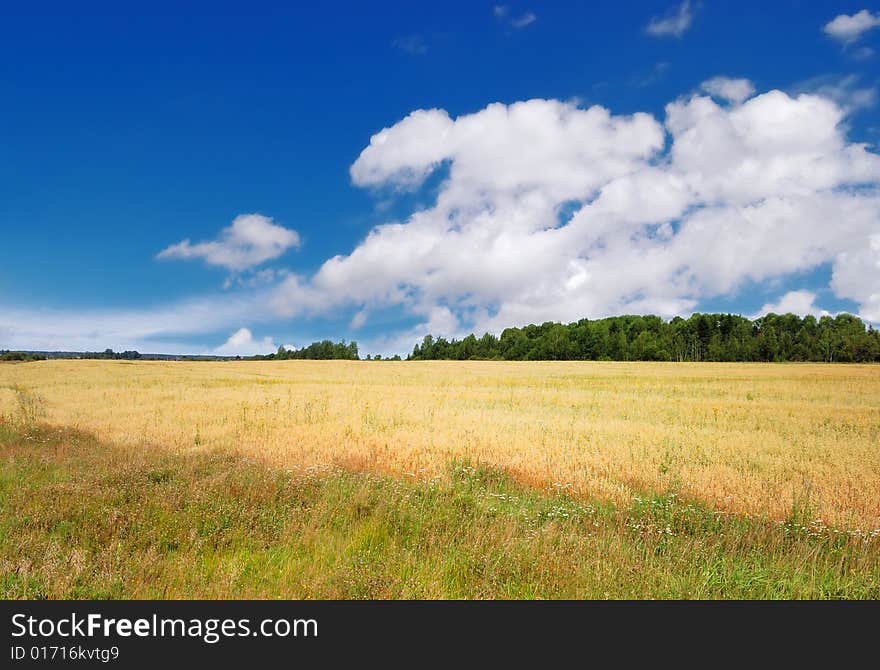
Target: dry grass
(750,439)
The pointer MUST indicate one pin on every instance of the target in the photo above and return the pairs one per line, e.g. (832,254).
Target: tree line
(323,350)
(39,356)
(702,337)
(20,356)
(112,355)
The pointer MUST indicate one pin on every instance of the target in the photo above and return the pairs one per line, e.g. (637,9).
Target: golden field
(754,439)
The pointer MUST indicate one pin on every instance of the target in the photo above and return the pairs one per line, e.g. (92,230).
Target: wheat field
(749,439)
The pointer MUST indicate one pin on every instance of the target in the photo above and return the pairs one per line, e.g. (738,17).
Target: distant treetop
(323,350)
(702,337)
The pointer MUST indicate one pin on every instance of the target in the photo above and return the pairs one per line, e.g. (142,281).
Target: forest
(702,337)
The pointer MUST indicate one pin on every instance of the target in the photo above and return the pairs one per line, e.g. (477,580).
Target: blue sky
(124,132)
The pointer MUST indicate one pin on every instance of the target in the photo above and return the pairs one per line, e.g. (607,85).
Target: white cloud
(251,240)
(554,212)
(848,29)
(503,15)
(800,302)
(675,24)
(731,90)
(418,147)
(526,19)
(242,343)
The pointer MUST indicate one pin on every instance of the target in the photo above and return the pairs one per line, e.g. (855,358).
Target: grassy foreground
(84,519)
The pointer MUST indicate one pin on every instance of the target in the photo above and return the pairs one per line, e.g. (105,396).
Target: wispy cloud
(674,24)
(526,19)
(845,91)
(256,278)
(657,73)
(415,45)
(160,329)
(503,14)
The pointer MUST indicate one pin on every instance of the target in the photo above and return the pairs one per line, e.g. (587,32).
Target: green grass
(81,519)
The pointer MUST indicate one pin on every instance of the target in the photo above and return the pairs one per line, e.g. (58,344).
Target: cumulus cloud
(251,240)
(800,302)
(731,90)
(549,211)
(849,28)
(242,343)
(675,24)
